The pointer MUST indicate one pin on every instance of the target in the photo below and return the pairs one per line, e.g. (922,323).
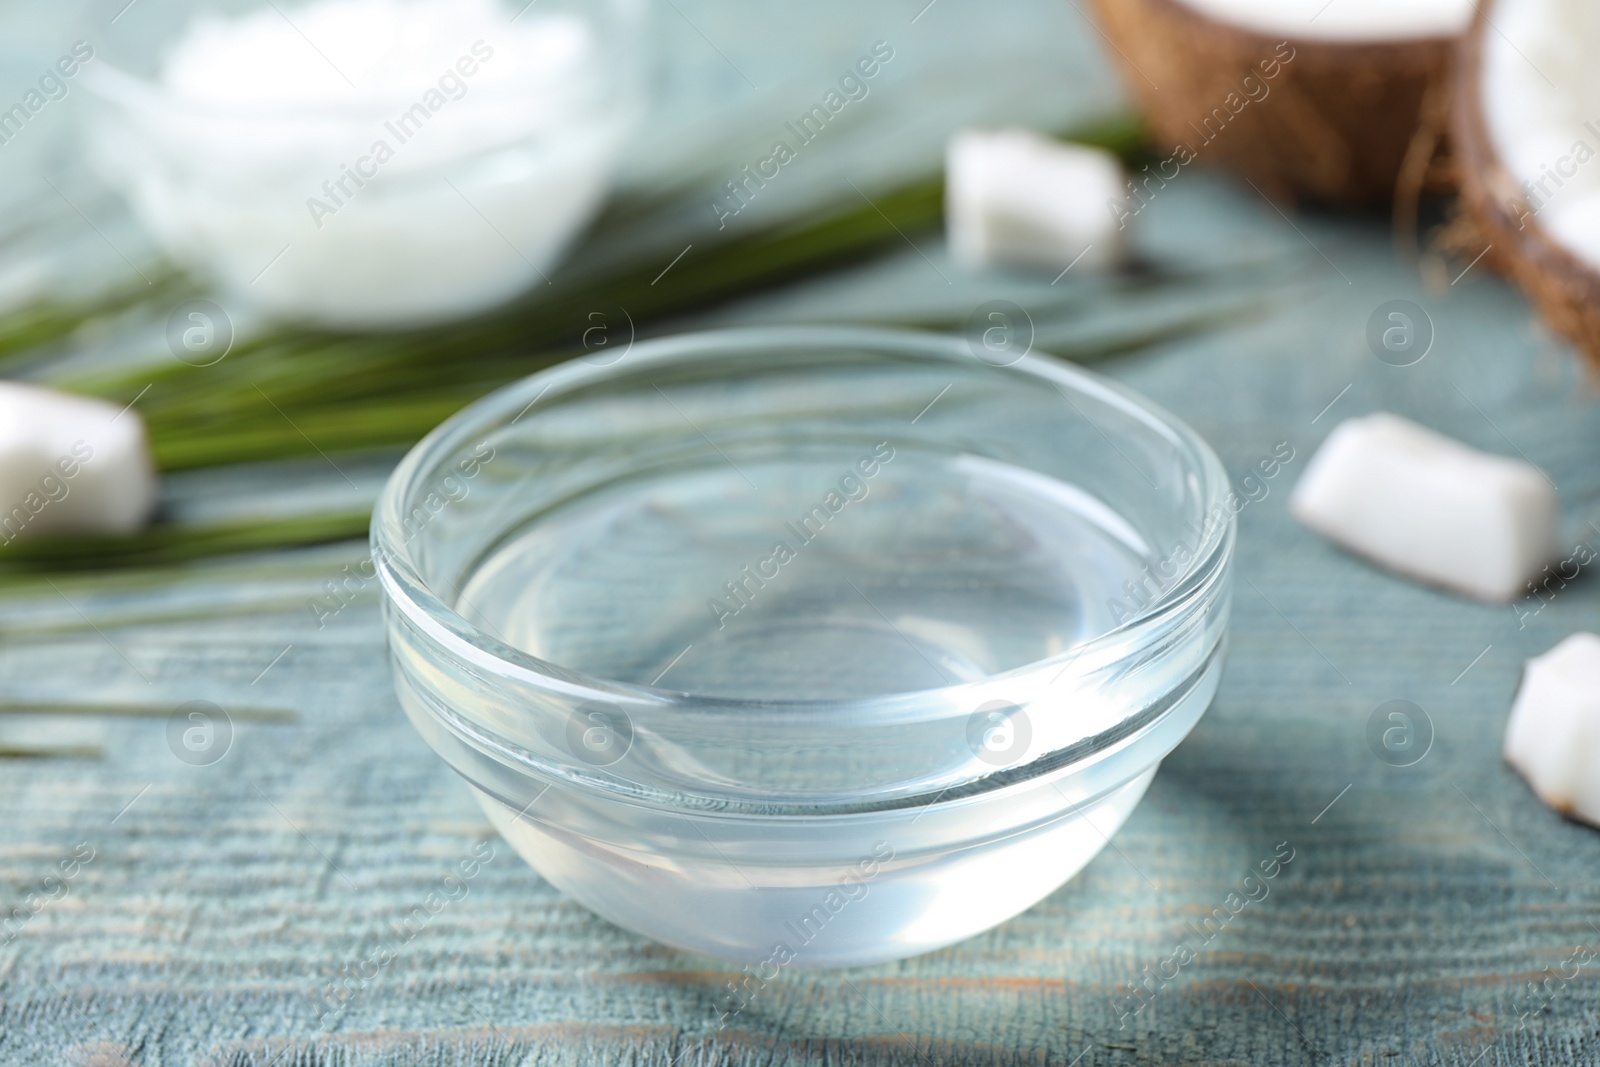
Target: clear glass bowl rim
(407,593)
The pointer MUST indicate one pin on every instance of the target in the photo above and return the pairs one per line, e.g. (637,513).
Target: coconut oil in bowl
(807,647)
(367,164)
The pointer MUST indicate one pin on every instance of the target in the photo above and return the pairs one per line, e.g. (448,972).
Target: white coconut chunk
(1014,197)
(1429,507)
(1343,20)
(71,464)
(1553,736)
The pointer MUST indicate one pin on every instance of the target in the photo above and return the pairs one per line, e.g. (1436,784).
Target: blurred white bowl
(294,208)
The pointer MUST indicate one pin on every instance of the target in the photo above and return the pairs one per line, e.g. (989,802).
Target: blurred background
(283,352)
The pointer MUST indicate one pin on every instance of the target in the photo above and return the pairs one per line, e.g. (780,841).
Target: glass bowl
(807,647)
(379,209)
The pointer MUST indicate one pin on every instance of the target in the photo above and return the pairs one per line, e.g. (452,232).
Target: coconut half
(1319,100)
(1526,127)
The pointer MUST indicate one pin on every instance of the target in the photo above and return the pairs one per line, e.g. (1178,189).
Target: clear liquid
(809,578)
(919,901)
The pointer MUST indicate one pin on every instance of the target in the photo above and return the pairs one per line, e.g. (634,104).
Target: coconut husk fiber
(1333,124)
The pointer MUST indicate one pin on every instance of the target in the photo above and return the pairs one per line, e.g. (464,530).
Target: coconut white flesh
(1553,736)
(1429,507)
(1342,20)
(1540,94)
(1014,197)
(71,464)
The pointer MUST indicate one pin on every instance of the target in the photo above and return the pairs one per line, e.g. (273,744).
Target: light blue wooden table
(211,907)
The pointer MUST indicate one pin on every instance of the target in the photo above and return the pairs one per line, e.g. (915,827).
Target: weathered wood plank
(222,901)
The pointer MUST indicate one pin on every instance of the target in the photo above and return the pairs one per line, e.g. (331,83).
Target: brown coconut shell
(1341,121)
(1564,288)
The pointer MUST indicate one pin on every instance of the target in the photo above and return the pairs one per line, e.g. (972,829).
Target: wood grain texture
(223,901)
